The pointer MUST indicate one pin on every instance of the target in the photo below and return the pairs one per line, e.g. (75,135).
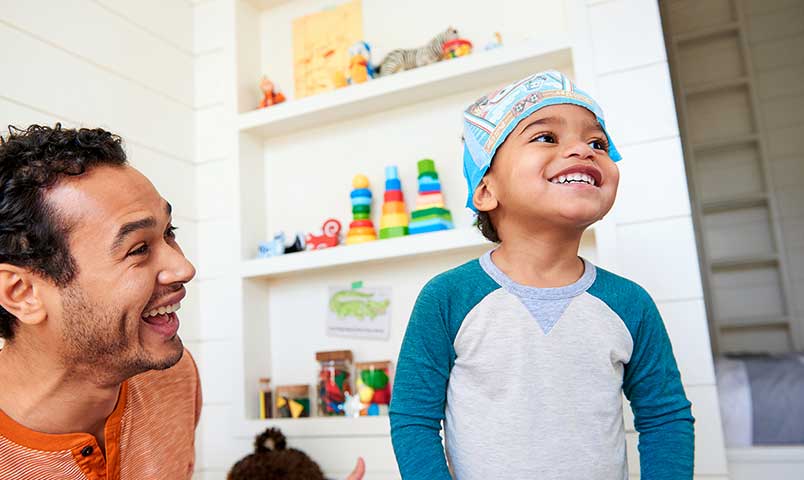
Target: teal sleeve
(420,391)
(423,369)
(652,383)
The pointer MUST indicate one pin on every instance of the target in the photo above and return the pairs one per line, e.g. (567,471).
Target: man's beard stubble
(108,354)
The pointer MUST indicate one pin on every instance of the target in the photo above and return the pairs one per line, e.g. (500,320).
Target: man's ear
(484,198)
(19,294)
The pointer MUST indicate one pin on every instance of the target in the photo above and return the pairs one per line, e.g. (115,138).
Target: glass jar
(292,401)
(264,392)
(334,381)
(374,387)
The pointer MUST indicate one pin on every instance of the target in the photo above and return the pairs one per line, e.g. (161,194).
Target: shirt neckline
(524,291)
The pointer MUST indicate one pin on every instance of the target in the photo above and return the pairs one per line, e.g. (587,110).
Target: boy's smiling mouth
(583,174)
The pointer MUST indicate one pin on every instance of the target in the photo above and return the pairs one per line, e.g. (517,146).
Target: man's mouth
(161,315)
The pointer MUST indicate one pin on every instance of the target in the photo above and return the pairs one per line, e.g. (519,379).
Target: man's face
(129,267)
(554,169)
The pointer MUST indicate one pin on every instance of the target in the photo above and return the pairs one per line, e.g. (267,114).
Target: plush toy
(360,69)
(274,248)
(270,95)
(272,460)
(403,59)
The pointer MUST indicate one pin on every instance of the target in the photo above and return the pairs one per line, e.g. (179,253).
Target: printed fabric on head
(488,121)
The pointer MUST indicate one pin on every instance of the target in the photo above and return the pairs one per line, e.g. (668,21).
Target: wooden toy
(274,248)
(329,236)
(394,219)
(292,401)
(431,214)
(403,59)
(270,94)
(361,229)
(456,48)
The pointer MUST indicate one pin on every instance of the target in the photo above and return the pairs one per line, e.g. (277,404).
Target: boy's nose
(579,149)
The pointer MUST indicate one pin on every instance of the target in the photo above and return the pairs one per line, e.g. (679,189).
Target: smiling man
(95,381)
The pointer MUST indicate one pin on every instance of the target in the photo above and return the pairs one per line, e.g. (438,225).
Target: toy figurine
(273,248)
(361,229)
(360,69)
(270,94)
(457,48)
(403,59)
(496,43)
(329,236)
(298,244)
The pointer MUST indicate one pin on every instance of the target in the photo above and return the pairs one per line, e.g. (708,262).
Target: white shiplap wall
(124,66)
(776,41)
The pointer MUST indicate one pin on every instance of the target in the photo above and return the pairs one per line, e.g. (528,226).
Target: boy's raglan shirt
(528,382)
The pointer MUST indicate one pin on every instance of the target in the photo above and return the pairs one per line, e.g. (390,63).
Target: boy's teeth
(574,177)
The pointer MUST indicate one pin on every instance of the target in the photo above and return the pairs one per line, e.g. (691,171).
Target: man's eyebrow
(128,228)
(168,208)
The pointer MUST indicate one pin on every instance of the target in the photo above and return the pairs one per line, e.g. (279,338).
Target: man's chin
(170,353)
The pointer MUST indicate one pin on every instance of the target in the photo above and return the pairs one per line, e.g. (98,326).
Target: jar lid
(375,365)
(333,356)
(293,390)
(264,380)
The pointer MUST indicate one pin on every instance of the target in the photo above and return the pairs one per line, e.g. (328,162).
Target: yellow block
(360,181)
(393,207)
(362,231)
(393,220)
(354,239)
(425,206)
(296,408)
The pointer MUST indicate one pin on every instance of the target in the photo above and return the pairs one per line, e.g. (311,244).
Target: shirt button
(86,451)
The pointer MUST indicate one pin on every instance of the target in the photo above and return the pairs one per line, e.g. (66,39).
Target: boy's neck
(544,259)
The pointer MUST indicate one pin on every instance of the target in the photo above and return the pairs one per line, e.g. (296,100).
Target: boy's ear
(19,294)
(484,199)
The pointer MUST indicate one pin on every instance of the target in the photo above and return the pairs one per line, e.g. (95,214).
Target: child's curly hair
(272,460)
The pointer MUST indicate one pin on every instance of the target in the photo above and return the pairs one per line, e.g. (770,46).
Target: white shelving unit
(280,310)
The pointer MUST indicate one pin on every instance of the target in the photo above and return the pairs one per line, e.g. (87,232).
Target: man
(95,381)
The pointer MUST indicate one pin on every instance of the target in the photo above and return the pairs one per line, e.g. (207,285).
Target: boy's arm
(662,413)
(420,390)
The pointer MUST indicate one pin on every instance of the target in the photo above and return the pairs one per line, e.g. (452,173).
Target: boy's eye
(599,145)
(544,138)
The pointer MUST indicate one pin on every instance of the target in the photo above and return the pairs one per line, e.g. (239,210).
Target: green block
(432,175)
(447,218)
(361,209)
(428,212)
(376,379)
(426,165)
(393,232)
(362,216)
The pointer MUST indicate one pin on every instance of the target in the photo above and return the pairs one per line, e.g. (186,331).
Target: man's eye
(141,250)
(544,138)
(171,232)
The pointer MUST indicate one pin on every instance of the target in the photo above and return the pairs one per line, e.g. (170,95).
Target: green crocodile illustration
(351,303)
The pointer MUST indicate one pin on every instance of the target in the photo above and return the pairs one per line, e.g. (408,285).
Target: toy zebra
(406,59)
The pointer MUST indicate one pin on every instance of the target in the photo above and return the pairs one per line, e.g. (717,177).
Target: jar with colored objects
(292,401)
(334,381)
(266,404)
(374,387)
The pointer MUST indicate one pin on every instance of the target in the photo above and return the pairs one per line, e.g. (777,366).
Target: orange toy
(270,96)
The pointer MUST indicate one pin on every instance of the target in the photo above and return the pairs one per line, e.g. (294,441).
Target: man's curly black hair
(33,160)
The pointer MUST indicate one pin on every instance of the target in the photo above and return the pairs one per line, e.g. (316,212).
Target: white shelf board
(440,79)
(320,427)
(380,250)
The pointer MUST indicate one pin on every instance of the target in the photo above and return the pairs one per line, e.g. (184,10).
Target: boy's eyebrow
(544,121)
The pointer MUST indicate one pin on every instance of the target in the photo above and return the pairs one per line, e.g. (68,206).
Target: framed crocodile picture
(363,312)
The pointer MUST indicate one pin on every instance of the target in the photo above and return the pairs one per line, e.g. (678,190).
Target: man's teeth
(574,178)
(162,310)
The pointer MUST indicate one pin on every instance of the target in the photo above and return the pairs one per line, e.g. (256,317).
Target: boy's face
(552,170)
